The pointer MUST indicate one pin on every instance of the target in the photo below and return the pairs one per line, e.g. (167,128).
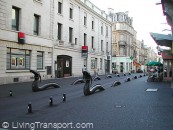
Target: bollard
(51,101)
(29,107)
(118,75)
(135,77)
(64,97)
(127,80)
(11,93)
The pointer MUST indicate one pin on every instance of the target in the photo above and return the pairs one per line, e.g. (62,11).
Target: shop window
(93,63)
(39,60)
(18,59)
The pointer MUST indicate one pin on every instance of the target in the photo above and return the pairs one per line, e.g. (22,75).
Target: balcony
(59,43)
(122,43)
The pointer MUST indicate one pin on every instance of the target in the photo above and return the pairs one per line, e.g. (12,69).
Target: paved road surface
(125,107)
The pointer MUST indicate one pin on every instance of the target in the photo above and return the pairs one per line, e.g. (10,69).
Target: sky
(147,16)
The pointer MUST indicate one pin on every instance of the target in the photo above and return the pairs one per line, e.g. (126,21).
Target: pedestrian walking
(83,70)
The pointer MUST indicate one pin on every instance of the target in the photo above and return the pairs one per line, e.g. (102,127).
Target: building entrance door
(64,66)
(59,67)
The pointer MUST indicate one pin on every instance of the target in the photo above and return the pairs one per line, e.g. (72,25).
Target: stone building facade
(48,36)
(123,42)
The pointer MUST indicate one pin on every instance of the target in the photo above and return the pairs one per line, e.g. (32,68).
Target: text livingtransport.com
(41,125)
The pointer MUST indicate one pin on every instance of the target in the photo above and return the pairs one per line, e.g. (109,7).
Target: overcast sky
(147,16)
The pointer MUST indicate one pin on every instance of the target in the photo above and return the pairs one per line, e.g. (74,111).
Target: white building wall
(47,39)
(77,23)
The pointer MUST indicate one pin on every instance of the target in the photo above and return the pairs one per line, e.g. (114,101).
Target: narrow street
(125,107)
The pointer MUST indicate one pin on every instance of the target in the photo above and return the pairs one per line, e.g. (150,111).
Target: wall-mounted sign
(67,63)
(21,37)
(85,51)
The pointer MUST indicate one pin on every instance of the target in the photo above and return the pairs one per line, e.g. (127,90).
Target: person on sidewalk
(84,69)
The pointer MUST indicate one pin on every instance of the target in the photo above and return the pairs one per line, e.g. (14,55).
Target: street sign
(131,57)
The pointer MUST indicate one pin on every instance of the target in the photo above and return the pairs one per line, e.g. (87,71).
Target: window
(85,19)
(18,59)
(107,45)
(113,65)
(101,45)
(85,38)
(114,27)
(107,31)
(85,62)
(122,52)
(93,63)
(15,18)
(60,7)
(101,64)
(92,42)
(75,41)
(92,23)
(59,31)
(114,38)
(102,29)
(36,24)
(39,60)
(70,34)
(71,11)
(121,38)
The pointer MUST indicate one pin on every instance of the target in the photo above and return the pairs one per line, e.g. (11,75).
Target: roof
(162,39)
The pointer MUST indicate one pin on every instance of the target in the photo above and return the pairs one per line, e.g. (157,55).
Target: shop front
(167,54)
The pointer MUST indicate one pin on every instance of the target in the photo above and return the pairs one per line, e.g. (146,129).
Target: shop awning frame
(162,39)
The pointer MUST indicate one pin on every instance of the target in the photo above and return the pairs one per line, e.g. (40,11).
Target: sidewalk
(22,88)
(26,87)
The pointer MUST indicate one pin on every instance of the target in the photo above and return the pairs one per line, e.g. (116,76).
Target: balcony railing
(59,43)
(122,43)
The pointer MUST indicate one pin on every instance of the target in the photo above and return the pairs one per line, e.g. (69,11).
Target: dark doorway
(64,66)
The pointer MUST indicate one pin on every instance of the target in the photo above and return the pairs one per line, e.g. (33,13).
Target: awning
(162,39)
(136,64)
(154,63)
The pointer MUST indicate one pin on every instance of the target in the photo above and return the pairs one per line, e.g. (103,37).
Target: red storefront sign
(21,37)
(85,51)
(84,48)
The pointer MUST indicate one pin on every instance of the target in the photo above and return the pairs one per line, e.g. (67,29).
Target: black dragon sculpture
(36,83)
(88,90)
